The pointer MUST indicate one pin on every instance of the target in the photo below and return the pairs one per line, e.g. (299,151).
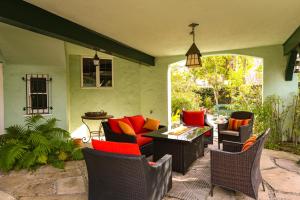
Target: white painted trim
(97,74)
(1,100)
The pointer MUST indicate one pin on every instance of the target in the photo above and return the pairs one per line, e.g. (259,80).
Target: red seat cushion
(142,140)
(137,122)
(208,133)
(114,125)
(193,118)
(116,147)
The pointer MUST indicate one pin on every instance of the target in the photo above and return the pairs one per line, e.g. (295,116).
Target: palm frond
(58,132)
(33,121)
(28,160)
(36,139)
(77,154)
(47,125)
(15,131)
(10,153)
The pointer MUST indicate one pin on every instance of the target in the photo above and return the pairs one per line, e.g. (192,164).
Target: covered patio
(64,60)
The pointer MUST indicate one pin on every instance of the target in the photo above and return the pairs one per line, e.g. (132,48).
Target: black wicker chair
(236,170)
(146,149)
(126,177)
(242,134)
(207,139)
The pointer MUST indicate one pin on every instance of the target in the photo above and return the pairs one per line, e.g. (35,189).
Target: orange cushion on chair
(127,129)
(152,124)
(193,118)
(116,147)
(137,122)
(235,124)
(248,143)
(114,125)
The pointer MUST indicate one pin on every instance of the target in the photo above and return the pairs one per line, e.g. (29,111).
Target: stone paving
(279,170)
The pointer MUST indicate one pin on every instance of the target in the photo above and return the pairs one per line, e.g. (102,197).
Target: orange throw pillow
(235,124)
(126,128)
(152,124)
(249,142)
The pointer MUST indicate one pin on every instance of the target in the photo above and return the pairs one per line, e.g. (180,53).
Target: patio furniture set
(118,168)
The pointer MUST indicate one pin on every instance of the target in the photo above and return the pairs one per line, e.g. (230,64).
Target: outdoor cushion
(114,125)
(230,132)
(116,147)
(207,134)
(248,143)
(142,140)
(126,128)
(137,122)
(152,124)
(193,118)
(235,124)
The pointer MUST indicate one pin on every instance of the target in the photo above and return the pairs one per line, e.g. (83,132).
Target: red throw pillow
(137,122)
(114,124)
(116,147)
(193,118)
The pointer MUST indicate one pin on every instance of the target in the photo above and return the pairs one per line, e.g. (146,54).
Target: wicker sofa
(126,177)
(242,134)
(236,170)
(145,144)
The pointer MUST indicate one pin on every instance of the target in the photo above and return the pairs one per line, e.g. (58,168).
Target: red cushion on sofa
(116,147)
(114,125)
(193,118)
(142,140)
(137,122)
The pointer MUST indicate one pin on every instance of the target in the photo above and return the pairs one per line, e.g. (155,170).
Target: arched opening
(224,83)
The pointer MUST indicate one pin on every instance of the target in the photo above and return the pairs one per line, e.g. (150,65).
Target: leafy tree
(37,143)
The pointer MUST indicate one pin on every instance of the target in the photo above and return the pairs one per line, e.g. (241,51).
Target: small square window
(96,76)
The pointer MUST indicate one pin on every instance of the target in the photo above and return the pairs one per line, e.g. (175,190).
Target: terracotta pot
(78,142)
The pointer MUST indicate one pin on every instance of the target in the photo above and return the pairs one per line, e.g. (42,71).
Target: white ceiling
(160,27)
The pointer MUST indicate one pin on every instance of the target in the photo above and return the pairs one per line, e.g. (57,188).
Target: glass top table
(187,135)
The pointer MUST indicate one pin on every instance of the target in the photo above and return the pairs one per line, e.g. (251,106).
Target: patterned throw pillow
(234,124)
(249,142)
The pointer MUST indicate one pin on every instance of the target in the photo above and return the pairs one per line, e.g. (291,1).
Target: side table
(99,131)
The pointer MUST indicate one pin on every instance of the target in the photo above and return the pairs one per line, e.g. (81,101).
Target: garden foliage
(37,143)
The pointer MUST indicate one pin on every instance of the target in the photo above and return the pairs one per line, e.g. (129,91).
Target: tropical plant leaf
(15,131)
(33,121)
(37,139)
(77,154)
(10,153)
(28,160)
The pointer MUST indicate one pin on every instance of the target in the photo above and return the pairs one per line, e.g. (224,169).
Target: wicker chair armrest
(244,132)
(222,126)
(161,176)
(230,146)
(223,159)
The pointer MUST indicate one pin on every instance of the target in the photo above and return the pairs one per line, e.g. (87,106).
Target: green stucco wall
(15,96)
(122,99)
(154,87)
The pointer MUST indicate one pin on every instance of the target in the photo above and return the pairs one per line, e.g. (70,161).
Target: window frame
(29,110)
(97,74)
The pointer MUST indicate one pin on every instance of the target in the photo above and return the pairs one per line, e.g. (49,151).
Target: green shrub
(37,143)
(180,103)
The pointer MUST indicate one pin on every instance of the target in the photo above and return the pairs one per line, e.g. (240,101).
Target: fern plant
(36,143)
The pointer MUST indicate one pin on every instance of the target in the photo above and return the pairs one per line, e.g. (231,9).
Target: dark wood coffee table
(184,148)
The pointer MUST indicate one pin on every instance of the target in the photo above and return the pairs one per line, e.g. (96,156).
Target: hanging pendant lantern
(193,55)
(96,60)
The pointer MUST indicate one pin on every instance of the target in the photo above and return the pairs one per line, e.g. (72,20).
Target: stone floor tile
(5,196)
(71,185)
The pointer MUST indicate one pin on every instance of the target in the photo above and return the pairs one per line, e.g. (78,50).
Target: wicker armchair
(236,170)
(146,149)
(125,177)
(208,139)
(242,134)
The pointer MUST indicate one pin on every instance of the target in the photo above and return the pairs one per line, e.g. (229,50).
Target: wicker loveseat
(126,177)
(242,134)
(145,144)
(236,170)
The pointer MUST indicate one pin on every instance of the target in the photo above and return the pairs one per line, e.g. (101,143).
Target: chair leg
(263,185)
(212,190)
